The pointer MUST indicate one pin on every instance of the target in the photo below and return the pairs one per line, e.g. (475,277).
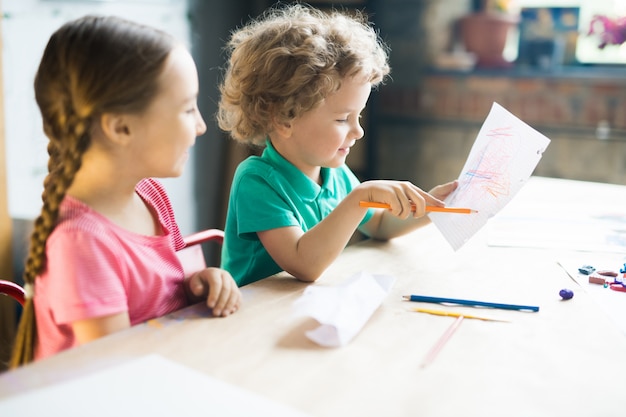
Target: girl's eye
(192,109)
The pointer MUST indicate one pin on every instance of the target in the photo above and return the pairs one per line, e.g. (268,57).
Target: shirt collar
(308,188)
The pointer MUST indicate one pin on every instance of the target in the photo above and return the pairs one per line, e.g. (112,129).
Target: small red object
(596,278)
(617,286)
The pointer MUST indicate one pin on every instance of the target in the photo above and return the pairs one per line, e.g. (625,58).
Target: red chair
(13,290)
(191,257)
(216,235)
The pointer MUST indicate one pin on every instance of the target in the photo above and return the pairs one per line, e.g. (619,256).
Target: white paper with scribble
(503,157)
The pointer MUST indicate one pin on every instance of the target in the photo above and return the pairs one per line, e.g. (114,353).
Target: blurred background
(450,60)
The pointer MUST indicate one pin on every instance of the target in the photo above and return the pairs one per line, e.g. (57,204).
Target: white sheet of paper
(148,386)
(342,310)
(504,155)
(563,215)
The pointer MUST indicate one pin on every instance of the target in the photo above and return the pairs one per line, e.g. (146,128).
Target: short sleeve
(260,207)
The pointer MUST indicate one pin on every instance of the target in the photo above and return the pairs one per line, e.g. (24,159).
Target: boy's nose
(358,131)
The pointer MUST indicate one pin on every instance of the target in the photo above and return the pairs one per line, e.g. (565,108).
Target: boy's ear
(282,128)
(116,127)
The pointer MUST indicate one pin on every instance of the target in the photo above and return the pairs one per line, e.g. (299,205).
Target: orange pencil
(459,210)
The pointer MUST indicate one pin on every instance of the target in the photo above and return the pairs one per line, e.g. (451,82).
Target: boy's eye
(347,118)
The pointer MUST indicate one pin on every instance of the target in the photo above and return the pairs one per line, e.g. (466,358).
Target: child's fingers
(420,199)
(417,203)
(404,207)
(196,285)
(431,200)
(228,299)
(218,309)
(233,302)
(215,290)
(442,191)
(404,198)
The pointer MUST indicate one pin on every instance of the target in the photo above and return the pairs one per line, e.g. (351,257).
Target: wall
(427,119)
(426,131)
(27,25)
(7,306)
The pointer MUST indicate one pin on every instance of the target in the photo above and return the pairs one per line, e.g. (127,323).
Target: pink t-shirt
(95,268)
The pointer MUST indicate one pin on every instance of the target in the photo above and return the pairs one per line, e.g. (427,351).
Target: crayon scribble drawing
(486,176)
(504,155)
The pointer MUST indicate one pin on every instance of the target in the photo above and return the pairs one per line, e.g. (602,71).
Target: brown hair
(90,66)
(286,62)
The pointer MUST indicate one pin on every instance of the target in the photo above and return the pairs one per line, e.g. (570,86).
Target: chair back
(12,290)
(191,256)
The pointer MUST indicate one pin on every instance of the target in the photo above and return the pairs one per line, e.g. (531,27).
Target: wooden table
(568,359)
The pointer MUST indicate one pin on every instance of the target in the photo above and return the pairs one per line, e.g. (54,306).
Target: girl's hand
(220,289)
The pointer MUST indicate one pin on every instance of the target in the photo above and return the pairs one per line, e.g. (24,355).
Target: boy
(296,83)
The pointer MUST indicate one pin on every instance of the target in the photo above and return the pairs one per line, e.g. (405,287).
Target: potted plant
(484,31)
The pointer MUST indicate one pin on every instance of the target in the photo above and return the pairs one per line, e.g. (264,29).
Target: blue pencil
(441,300)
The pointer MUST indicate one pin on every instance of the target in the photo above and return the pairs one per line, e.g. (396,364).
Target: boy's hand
(221,290)
(406,199)
(442,191)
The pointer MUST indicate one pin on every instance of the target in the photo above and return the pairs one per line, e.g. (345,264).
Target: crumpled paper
(342,310)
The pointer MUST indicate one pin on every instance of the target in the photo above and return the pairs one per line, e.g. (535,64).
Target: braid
(63,163)
(90,66)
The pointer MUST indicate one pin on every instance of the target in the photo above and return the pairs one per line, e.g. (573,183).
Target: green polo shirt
(269,192)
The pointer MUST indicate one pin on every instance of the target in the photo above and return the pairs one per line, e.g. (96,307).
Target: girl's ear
(116,127)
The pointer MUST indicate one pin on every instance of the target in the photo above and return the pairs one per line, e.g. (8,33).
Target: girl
(118,102)
(296,83)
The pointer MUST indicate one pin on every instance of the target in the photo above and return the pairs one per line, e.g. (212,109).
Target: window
(586,50)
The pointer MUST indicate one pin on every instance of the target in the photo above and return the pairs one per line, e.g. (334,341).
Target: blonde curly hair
(288,61)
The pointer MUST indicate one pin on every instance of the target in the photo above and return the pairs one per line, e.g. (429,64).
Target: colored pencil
(443,300)
(459,210)
(453,314)
(434,351)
